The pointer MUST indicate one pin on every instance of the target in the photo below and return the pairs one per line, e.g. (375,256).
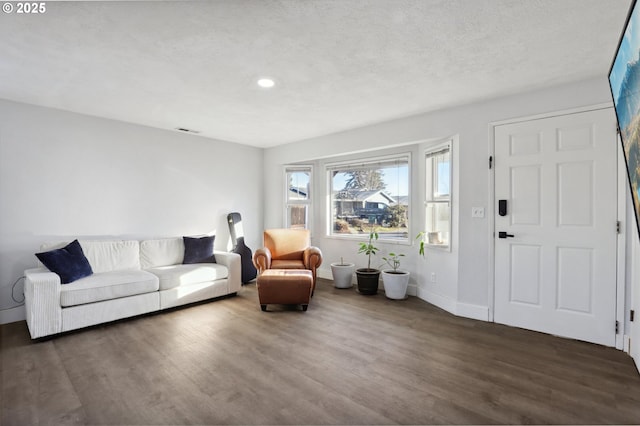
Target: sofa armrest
(42,302)
(233,263)
(262,259)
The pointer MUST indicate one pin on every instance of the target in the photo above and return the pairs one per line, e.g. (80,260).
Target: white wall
(66,175)
(465,271)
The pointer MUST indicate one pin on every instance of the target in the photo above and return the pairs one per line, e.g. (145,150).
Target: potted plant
(422,235)
(368,277)
(395,280)
(342,274)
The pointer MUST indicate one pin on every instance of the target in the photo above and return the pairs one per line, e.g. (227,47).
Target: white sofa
(129,278)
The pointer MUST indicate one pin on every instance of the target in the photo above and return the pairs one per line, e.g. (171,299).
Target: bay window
(370,194)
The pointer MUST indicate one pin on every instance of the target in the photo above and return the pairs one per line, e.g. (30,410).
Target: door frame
(621,216)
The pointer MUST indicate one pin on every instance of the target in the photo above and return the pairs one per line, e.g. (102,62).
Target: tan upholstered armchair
(288,249)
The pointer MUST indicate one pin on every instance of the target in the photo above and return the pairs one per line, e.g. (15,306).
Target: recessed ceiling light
(183,129)
(266,83)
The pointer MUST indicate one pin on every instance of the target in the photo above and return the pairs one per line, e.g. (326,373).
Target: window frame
(308,202)
(362,163)
(431,196)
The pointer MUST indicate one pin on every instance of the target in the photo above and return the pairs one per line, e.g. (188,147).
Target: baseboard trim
(324,274)
(442,302)
(12,315)
(412,290)
(454,307)
(627,344)
(468,310)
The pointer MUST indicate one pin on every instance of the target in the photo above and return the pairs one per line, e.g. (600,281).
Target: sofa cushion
(179,275)
(68,262)
(107,286)
(199,249)
(161,252)
(107,255)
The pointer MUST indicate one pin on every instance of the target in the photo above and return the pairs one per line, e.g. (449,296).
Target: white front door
(555,236)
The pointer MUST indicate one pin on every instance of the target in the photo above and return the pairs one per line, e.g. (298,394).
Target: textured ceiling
(338,64)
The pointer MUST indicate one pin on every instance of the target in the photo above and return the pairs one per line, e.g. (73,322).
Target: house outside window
(438,196)
(298,196)
(370,194)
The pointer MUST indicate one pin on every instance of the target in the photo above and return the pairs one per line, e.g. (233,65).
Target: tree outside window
(370,194)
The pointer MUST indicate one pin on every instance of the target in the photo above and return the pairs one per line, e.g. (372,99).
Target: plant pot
(368,280)
(342,274)
(395,283)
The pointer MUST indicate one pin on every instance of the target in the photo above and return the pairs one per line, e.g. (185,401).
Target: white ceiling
(338,64)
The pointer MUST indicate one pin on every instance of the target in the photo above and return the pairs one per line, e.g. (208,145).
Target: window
(370,193)
(438,196)
(298,196)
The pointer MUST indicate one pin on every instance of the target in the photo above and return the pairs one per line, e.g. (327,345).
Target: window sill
(365,237)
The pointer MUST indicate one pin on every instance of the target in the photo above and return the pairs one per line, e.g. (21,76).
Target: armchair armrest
(233,263)
(42,302)
(312,260)
(312,257)
(262,259)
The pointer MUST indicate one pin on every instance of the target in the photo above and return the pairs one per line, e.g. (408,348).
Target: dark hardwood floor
(349,359)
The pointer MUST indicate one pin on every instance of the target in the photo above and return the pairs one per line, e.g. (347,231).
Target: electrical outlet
(433,277)
(477,211)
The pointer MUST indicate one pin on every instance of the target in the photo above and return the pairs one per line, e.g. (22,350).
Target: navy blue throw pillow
(198,250)
(68,262)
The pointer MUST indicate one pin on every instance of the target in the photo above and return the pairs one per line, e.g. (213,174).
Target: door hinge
(632,314)
(490,161)
(617,327)
(618,227)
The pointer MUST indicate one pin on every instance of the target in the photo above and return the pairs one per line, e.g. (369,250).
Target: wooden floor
(350,359)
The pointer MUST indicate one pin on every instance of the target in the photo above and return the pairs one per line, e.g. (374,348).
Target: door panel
(525,274)
(525,195)
(575,279)
(557,274)
(575,194)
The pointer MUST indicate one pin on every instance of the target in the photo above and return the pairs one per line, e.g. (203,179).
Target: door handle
(503,234)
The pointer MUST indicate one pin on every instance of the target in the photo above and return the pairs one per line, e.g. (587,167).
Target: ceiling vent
(182,129)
